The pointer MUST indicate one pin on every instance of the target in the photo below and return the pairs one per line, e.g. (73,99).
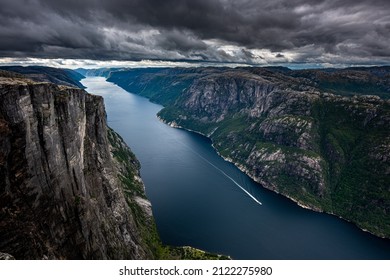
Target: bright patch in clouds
(90,64)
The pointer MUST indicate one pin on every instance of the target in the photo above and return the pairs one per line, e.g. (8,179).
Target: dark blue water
(197,202)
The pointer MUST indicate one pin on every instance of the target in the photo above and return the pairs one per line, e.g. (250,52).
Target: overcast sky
(331,32)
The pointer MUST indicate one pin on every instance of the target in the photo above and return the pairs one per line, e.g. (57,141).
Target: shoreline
(263,184)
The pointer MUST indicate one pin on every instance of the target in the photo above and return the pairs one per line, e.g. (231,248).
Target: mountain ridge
(66,77)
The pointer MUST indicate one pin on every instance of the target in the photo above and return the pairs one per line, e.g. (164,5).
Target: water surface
(197,201)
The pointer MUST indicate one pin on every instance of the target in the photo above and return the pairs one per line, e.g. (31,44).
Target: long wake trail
(226,175)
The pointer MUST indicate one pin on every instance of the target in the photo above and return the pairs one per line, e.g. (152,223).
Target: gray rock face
(60,195)
(275,116)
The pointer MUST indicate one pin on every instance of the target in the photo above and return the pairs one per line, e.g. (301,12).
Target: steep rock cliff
(61,190)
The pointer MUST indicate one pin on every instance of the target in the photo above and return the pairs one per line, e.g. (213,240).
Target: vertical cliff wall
(60,192)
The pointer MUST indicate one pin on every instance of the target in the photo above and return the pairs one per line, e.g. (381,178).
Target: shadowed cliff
(61,192)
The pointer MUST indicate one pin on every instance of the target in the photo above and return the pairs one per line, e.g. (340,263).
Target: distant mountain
(58,76)
(161,85)
(101,72)
(350,81)
(320,137)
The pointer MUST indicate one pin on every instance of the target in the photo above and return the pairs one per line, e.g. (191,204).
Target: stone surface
(60,192)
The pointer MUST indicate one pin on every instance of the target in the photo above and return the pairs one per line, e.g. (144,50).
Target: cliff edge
(61,189)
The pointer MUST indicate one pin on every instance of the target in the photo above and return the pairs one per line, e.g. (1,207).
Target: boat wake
(226,175)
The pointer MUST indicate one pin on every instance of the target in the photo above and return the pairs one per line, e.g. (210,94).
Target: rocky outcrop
(305,134)
(61,190)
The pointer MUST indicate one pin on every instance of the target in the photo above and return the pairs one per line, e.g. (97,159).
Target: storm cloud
(246,31)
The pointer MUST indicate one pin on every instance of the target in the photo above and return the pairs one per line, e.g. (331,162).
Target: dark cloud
(180,41)
(249,31)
